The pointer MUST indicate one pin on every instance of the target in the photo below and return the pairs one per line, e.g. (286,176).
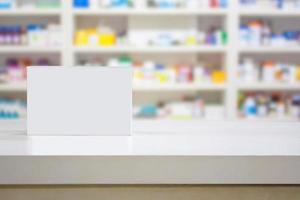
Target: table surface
(166,138)
(157,153)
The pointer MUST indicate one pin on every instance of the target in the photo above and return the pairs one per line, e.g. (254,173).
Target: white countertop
(206,153)
(150,145)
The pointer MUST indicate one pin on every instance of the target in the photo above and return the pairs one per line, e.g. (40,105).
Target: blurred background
(192,59)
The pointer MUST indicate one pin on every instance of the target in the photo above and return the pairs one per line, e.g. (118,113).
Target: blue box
(81,3)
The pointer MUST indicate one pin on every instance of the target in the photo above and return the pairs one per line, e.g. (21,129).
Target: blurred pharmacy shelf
(127,22)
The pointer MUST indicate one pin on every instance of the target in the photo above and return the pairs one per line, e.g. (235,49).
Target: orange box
(218,76)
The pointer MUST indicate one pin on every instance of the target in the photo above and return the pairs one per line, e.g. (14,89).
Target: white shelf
(29,49)
(131,49)
(30,12)
(138,87)
(269,49)
(149,11)
(13,87)
(270,119)
(268,12)
(269,86)
(179,87)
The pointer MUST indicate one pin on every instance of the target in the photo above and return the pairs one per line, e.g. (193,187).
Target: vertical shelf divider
(232,24)
(68,30)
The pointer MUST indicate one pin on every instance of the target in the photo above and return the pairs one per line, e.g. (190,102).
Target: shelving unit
(262,50)
(151,12)
(13,87)
(30,12)
(269,12)
(132,49)
(29,49)
(178,87)
(228,55)
(269,87)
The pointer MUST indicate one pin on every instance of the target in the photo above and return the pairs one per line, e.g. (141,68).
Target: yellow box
(81,38)
(107,39)
(298,73)
(161,77)
(138,75)
(218,76)
(191,40)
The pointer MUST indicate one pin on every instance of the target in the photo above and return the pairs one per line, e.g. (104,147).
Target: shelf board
(30,12)
(270,49)
(128,49)
(269,87)
(29,49)
(140,87)
(149,12)
(270,119)
(268,12)
(13,87)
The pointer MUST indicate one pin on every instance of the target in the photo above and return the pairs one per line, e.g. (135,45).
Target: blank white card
(79,100)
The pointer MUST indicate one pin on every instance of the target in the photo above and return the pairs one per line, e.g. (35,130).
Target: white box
(142,29)
(79,100)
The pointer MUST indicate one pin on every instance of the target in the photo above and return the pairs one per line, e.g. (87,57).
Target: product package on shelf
(268,71)
(31,35)
(188,108)
(29,4)
(151,72)
(14,69)
(187,4)
(107,36)
(160,4)
(270,105)
(101,36)
(270,4)
(181,37)
(12,108)
(260,33)
(7,4)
